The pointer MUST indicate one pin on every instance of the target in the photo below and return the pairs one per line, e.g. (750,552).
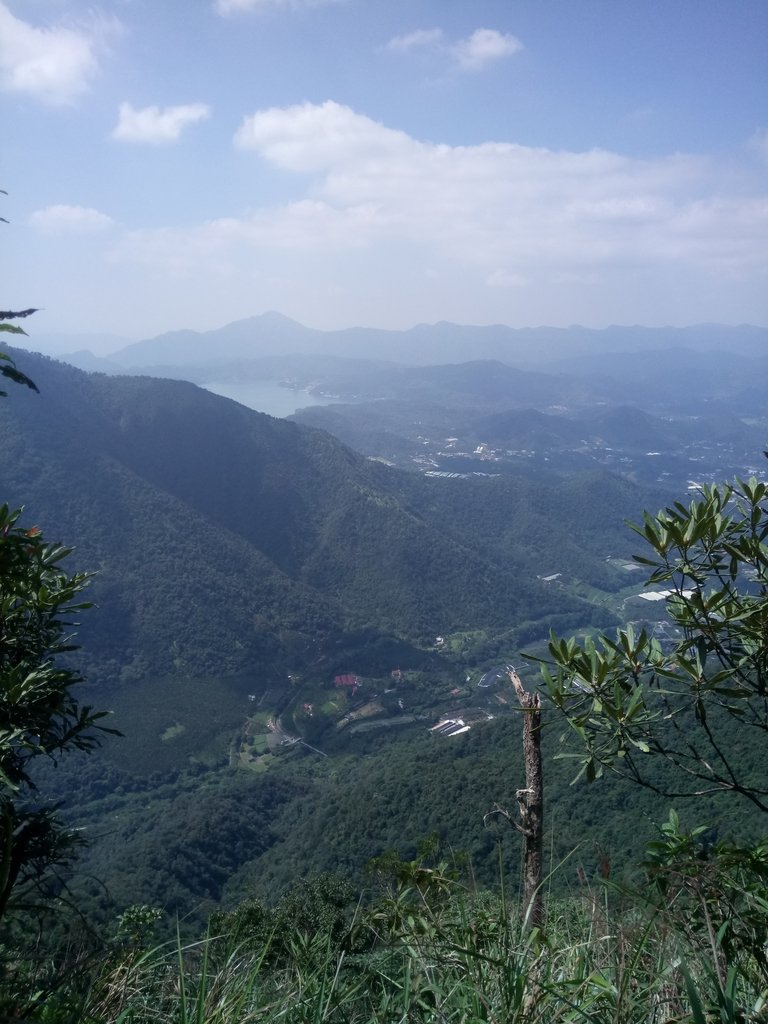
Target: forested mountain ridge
(217,530)
(173,591)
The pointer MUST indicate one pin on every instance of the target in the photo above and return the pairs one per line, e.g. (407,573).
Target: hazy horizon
(103,345)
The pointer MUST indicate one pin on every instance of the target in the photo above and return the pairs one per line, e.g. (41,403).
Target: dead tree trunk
(530,802)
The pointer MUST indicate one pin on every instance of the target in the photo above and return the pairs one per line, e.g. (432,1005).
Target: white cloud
(484,47)
(225,7)
(66,219)
(311,137)
(156,124)
(495,204)
(54,64)
(374,208)
(422,37)
(477,51)
(488,203)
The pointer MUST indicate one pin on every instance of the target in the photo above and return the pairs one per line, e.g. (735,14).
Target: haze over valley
(669,406)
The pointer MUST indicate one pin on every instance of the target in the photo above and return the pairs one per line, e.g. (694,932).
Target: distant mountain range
(572,398)
(273,334)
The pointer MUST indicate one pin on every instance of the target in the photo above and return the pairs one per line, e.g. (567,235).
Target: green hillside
(221,535)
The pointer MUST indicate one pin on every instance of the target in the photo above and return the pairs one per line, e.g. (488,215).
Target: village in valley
(446,702)
(687,466)
(351,704)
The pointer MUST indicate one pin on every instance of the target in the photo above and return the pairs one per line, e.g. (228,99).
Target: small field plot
(168,723)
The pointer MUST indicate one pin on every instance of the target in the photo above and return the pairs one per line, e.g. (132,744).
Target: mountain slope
(174,591)
(223,536)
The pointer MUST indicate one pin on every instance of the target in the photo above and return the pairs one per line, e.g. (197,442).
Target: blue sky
(184,163)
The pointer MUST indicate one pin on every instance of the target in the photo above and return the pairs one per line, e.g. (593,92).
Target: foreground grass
(690,945)
(445,956)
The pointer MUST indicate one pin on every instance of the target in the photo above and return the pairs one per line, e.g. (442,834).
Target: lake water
(265,396)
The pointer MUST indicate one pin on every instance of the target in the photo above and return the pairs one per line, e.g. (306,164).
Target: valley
(665,407)
(304,639)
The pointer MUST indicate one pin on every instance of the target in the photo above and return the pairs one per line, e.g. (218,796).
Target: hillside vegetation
(253,528)
(281,620)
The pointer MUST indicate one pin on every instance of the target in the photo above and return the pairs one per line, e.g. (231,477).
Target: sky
(186,163)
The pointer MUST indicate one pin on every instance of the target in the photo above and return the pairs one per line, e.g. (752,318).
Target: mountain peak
(274,316)
(269,318)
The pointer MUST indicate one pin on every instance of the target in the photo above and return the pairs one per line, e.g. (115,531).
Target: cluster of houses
(445,727)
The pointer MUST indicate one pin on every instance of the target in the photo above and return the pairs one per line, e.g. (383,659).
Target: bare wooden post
(530,803)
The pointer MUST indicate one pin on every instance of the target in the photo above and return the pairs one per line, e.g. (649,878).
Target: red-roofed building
(348,679)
